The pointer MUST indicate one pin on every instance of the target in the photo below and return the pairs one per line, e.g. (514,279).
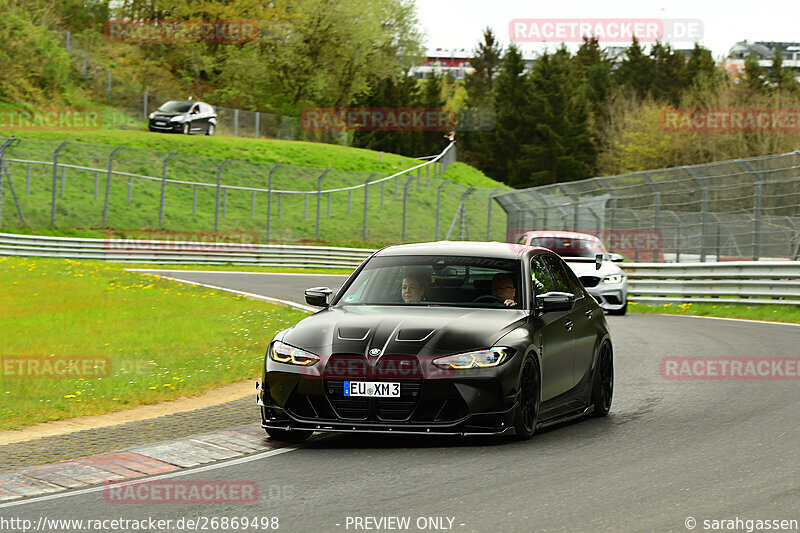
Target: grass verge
(773,313)
(160,339)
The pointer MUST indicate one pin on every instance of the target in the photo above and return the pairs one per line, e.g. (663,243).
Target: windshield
(175,106)
(569,247)
(436,280)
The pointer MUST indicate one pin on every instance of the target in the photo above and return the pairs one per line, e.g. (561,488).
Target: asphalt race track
(670,452)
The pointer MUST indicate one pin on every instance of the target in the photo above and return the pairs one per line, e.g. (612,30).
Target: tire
(185,128)
(526,416)
(603,383)
(284,435)
(211,129)
(621,311)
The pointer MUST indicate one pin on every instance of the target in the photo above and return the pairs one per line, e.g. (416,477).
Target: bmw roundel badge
(375,351)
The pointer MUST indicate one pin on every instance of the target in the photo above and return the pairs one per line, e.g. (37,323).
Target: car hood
(402,330)
(587,268)
(169,114)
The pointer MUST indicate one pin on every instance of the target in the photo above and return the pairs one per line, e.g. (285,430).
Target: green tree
(637,70)
(754,76)
(781,77)
(562,147)
(668,73)
(701,71)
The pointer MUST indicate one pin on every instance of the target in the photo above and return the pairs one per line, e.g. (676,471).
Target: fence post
(219,190)
(236,122)
(144,107)
(269,200)
(69,35)
(4,168)
(55,183)
(366,204)
(108,90)
(194,200)
(258,123)
(130,187)
(489,217)
(405,205)
(757,223)
(164,187)
(439,205)
(319,199)
(350,202)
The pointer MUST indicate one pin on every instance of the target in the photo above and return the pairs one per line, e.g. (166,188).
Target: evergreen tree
(701,71)
(432,142)
(781,77)
(668,73)
(486,61)
(562,147)
(593,67)
(637,70)
(754,78)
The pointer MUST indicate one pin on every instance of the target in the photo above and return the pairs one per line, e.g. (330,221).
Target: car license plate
(373,389)
(160,123)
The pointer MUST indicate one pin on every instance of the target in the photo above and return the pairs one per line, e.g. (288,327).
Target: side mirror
(598,261)
(555,301)
(617,258)
(318,296)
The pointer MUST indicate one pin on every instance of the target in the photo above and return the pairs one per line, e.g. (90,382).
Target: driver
(503,287)
(415,286)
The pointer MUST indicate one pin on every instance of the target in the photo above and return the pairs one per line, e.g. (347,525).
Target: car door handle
(568,325)
(588,313)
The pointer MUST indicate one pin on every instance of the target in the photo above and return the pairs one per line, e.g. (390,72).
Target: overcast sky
(459,23)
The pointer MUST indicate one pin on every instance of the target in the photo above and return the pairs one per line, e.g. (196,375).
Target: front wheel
(527,412)
(185,128)
(288,435)
(211,129)
(603,384)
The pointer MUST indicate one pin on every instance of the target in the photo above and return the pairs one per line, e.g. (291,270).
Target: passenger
(415,286)
(503,287)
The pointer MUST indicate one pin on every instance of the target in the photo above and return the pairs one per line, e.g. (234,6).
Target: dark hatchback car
(447,338)
(184,116)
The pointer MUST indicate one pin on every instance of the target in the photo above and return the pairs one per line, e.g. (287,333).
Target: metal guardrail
(750,282)
(174,252)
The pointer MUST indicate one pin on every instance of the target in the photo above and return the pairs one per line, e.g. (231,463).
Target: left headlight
(283,353)
(152,115)
(179,118)
(478,359)
(614,278)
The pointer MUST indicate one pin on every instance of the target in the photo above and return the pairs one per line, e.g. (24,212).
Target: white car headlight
(153,115)
(176,119)
(614,278)
(283,353)
(480,359)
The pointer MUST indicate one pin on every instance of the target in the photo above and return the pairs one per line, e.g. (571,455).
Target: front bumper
(165,125)
(471,402)
(610,297)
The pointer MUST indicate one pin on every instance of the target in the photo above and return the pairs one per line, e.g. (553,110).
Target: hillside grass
(79,209)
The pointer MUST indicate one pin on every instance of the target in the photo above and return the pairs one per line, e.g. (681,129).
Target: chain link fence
(77,185)
(729,210)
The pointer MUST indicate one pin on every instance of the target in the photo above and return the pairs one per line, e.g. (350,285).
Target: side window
(540,278)
(560,277)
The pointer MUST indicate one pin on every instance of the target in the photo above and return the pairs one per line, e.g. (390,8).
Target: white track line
(168,475)
(726,318)
(231,272)
(248,294)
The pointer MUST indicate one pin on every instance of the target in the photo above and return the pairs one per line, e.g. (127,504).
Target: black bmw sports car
(446,338)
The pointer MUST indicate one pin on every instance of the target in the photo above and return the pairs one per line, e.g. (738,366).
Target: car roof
(461,248)
(563,235)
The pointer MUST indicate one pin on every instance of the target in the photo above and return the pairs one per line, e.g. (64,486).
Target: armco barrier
(173,252)
(752,282)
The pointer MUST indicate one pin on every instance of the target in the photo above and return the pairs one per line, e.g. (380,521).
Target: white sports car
(608,284)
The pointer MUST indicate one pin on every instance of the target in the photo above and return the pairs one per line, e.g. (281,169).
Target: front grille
(388,409)
(590,281)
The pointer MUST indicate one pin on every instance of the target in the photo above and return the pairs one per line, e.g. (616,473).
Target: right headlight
(284,353)
(614,278)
